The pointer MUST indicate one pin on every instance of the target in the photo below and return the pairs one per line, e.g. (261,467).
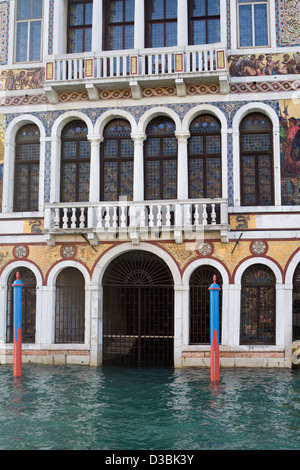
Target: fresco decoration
(22,79)
(289,22)
(2,134)
(289,119)
(253,65)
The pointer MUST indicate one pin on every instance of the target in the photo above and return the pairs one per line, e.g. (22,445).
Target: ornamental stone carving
(259,247)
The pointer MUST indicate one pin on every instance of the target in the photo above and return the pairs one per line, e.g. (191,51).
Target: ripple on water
(65,407)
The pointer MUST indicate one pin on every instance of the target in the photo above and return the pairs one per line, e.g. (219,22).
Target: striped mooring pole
(17,330)
(214,331)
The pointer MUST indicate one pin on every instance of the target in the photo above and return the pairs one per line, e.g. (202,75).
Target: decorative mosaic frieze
(289,22)
(262,87)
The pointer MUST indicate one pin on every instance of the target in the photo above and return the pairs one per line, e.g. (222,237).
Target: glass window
(253,23)
(117,161)
(80,19)
(75,163)
(161,23)
(161,160)
(204,21)
(204,149)
(258,306)
(256,154)
(119,23)
(29,30)
(26,194)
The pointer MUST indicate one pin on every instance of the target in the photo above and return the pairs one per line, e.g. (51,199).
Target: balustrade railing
(134,63)
(121,215)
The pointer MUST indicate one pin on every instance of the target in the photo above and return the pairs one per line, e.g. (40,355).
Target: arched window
(28,305)
(27,167)
(204,150)
(161,23)
(117,161)
(296,304)
(69,307)
(80,19)
(119,25)
(200,281)
(256,160)
(258,306)
(160,159)
(75,163)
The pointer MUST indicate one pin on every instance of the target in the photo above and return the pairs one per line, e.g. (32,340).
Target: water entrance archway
(138,311)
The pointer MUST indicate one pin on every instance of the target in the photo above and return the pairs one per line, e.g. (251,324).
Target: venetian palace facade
(146,146)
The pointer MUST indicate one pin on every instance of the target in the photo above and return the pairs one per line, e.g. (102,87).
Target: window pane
(171,34)
(88,39)
(126,178)
(37,9)
(213,27)
(84,181)
(116,12)
(198,8)
(198,32)
(23,9)
(213,7)
(129,37)
(89,13)
(76,15)
(116,37)
(129,10)
(21,42)
(261,25)
(157,35)
(170,179)
(171,9)
(245,25)
(35,41)
(156,9)
(76,37)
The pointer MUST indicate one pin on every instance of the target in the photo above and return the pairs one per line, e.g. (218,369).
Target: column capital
(182,135)
(138,137)
(95,139)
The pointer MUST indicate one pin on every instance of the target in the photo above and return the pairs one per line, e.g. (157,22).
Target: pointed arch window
(75,163)
(256,160)
(160,159)
(204,162)
(27,167)
(117,161)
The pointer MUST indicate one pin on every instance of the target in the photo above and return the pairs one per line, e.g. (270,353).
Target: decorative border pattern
(4,19)
(261,87)
(288,22)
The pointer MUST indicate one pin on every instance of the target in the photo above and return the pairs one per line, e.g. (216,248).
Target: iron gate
(138,306)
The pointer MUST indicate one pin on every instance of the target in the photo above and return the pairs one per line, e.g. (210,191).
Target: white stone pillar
(139,22)
(95,168)
(97,25)
(181,325)
(138,172)
(60,27)
(8,176)
(182,23)
(55,170)
(182,169)
(96,326)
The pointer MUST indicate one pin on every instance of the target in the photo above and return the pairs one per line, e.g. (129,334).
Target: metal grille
(28,305)
(200,281)
(138,304)
(258,306)
(69,307)
(296,304)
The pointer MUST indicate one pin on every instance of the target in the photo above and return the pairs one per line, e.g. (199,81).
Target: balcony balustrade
(107,68)
(137,220)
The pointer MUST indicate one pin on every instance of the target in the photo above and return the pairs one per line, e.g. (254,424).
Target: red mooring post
(17,330)
(214,331)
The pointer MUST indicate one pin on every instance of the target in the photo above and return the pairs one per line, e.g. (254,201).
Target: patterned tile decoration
(2,135)
(262,87)
(4,21)
(288,22)
(228,21)
(50,29)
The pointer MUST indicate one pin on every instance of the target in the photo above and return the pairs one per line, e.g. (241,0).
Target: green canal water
(80,408)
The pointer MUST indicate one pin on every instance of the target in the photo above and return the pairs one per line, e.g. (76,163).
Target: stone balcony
(135,70)
(135,221)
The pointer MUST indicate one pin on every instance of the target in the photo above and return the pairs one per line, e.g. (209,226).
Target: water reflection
(82,408)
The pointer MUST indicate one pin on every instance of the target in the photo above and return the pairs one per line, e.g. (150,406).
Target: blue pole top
(17,282)
(214,285)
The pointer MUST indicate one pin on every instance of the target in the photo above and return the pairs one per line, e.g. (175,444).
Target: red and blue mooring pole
(214,290)
(17,331)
